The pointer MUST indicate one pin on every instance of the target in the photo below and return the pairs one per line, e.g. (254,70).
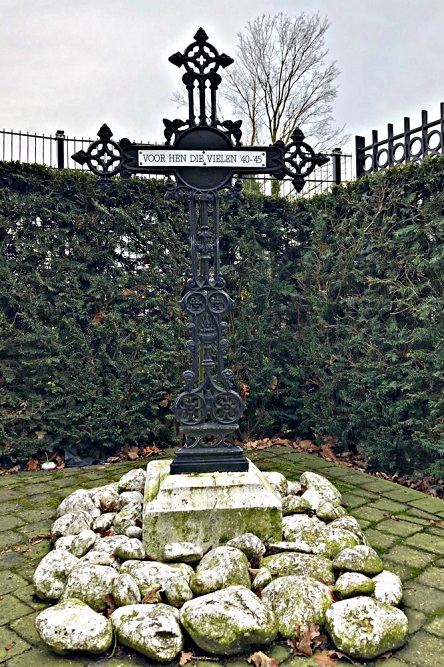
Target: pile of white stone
(99,564)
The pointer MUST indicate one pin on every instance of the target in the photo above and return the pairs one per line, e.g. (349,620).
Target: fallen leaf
(152,596)
(259,659)
(33,464)
(9,646)
(325,659)
(185,657)
(110,604)
(385,656)
(138,523)
(302,643)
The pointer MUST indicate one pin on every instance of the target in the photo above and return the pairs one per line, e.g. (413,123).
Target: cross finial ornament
(205,156)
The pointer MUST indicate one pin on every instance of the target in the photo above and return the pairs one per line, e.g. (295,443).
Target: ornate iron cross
(204,155)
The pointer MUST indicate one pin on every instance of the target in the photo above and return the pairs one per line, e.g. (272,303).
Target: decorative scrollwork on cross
(299,159)
(104,156)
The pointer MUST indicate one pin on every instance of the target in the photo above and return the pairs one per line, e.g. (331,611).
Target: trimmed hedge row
(338,319)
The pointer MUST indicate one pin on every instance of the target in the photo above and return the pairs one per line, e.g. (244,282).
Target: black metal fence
(411,145)
(50,150)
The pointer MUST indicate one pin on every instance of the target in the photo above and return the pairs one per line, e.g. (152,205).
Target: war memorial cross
(207,160)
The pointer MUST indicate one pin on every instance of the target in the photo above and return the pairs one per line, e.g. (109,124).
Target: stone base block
(207,509)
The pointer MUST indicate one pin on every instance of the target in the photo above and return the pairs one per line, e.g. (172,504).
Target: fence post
(424,133)
(407,155)
(390,145)
(336,154)
(60,138)
(359,149)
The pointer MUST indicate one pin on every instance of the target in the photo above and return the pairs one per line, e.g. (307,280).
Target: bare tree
(280,80)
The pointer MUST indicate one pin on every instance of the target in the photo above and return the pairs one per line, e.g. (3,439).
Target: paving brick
(399,528)
(436,627)
(352,500)
(411,557)
(25,627)
(378,485)
(433,576)
(26,595)
(8,494)
(42,656)
(391,662)
(10,638)
(9,521)
(379,540)
(416,619)
(402,493)
(427,542)
(435,530)
(368,513)
(10,538)
(12,608)
(10,581)
(389,506)
(423,598)
(403,572)
(423,650)
(428,504)
(415,514)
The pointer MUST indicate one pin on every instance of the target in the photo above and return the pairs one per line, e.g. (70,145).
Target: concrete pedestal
(207,509)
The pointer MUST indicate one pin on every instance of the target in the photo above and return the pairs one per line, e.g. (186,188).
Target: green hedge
(338,313)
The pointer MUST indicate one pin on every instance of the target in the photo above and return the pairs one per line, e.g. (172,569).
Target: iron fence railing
(411,145)
(50,150)
(56,151)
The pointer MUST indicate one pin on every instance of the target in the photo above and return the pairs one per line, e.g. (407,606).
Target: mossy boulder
(220,568)
(364,628)
(297,601)
(291,563)
(351,584)
(361,558)
(228,621)
(71,625)
(91,584)
(150,629)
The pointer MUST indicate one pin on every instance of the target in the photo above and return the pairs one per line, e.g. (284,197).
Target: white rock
(91,584)
(72,523)
(351,584)
(104,522)
(83,542)
(134,531)
(109,543)
(131,549)
(293,488)
(107,497)
(64,543)
(325,489)
(359,559)
(76,501)
(364,628)
(297,601)
(289,563)
(125,590)
(51,574)
(150,574)
(249,544)
(150,629)
(295,505)
(228,621)
(134,480)
(388,588)
(127,497)
(278,483)
(72,626)
(99,558)
(348,523)
(128,516)
(328,512)
(185,552)
(177,591)
(220,568)
(312,498)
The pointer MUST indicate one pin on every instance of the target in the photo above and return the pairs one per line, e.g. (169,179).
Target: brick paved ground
(400,524)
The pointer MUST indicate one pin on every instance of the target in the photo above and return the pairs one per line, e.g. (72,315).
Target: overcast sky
(75,64)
